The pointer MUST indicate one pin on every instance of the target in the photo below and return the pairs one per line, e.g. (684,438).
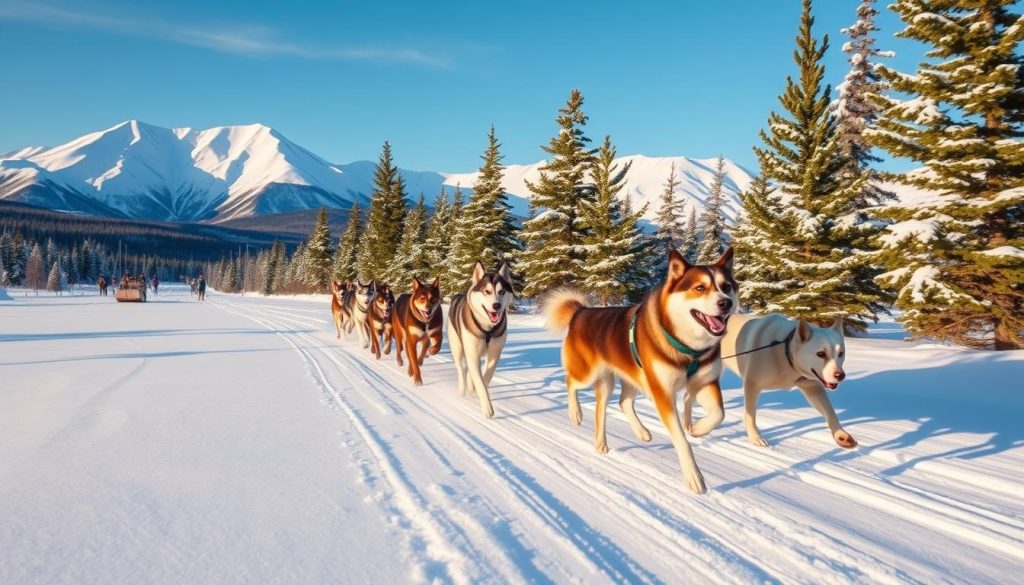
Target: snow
(237,441)
(1005,252)
(923,230)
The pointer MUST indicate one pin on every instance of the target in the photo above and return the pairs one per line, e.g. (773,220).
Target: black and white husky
(359,311)
(477,329)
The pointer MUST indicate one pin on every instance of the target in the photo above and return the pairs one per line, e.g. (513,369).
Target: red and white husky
(668,342)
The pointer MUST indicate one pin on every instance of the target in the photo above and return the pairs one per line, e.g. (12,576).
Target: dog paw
(576,414)
(757,440)
(601,448)
(844,439)
(488,411)
(417,381)
(644,435)
(695,482)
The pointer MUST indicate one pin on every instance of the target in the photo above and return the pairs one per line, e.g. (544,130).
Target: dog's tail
(560,306)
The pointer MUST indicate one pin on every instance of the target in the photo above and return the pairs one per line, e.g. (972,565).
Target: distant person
(156,284)
(201,287)
(192,283)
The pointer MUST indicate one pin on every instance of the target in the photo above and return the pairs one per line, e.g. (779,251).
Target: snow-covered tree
(827,276)
(957,262)
(35,269)
(383,232)
(6,254)
(688,242)
(409,259)
(451,274)
(271,269)
(486,230)
(345,259)
(855,111)
(712,219)
(53,282)
(671,209)
(610,236)
(761,246)
(553,255)
(319,254)
(645,270)
(438,238)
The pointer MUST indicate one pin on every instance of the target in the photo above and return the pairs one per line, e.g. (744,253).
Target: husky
(379,322)
(477,328)
(417,320)
(776,352)
(668,342)
(356,311)
(341,297)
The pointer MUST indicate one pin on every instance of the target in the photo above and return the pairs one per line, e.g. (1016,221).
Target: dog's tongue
(716,323)
(493,316)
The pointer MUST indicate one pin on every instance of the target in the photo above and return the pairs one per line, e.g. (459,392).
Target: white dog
(477,328)
(775,352)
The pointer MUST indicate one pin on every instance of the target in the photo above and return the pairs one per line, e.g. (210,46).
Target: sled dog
(379,321)
(417,320)
(667,342)
(477,328)
(341,297)
(776,352)
(358,310)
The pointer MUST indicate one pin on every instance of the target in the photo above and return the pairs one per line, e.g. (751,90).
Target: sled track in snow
(492,504)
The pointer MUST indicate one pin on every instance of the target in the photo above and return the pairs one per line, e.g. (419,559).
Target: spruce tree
(761,247)
(409,260)
(6,254)
(712,219)
(670,232)
(688,245)
(345,260)
(643,272)
(827,277)
(319,254)
(53,282)
(35,269)
(553,255)
(274,255)
(957,262)
(610,235)
(451,275)
(438,237)
(383,232)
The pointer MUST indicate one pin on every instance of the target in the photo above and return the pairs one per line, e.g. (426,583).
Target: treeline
(818,238)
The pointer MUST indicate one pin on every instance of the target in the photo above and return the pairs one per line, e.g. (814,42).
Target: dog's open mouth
(830,386)
(492,315)
(715,324)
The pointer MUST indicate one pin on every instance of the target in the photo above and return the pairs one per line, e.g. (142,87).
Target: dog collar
(789,356)
(677,345)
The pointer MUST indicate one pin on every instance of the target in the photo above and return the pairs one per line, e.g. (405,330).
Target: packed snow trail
(417,486)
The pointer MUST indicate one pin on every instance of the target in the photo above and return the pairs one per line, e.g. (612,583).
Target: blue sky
(688,77)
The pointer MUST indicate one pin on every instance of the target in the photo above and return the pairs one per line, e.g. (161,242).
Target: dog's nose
(840,375)
(724,304)
(496,306)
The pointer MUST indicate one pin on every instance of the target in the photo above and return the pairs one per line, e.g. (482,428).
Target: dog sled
(134,291)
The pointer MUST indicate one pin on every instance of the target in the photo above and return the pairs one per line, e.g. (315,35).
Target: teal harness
(679,346)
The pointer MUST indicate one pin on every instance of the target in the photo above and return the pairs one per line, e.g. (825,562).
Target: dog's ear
(803,330)
(505,272)
(436,283)
(677,265)
(725,261)
(478,273)
(416,284)
(838,325)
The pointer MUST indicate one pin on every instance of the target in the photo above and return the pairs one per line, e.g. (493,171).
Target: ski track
(487,500)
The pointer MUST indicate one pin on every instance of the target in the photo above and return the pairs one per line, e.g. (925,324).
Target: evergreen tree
(35,269)
(345,260)
(486,230)
(438,238)
(712,219)
(642,273)
(6,254)
(856,112)
(553,255)
(610,235)
(688,245)
(408,260)
(827,277)
(280,267)
(384,226)
(270,270)
(957,263)
(53,282)
(319,255)
(452,275)
(761,247)
(670,232)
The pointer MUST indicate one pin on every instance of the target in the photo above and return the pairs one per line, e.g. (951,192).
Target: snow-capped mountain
(142,171)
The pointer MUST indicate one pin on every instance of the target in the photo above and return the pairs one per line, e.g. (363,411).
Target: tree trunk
(1005,340)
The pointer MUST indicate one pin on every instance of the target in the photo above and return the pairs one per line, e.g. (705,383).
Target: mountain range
(140,171)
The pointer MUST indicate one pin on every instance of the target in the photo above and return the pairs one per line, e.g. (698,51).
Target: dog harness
(498,329)
(787,340)
(679,346)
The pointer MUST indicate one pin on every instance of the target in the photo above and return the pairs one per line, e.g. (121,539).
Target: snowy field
(236,441)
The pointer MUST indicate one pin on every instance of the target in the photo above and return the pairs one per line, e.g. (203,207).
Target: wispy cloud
(237,40)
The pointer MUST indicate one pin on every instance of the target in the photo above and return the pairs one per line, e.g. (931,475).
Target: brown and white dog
(379,321)
(668,342)
(778,352)
(477,329)
(417,320)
